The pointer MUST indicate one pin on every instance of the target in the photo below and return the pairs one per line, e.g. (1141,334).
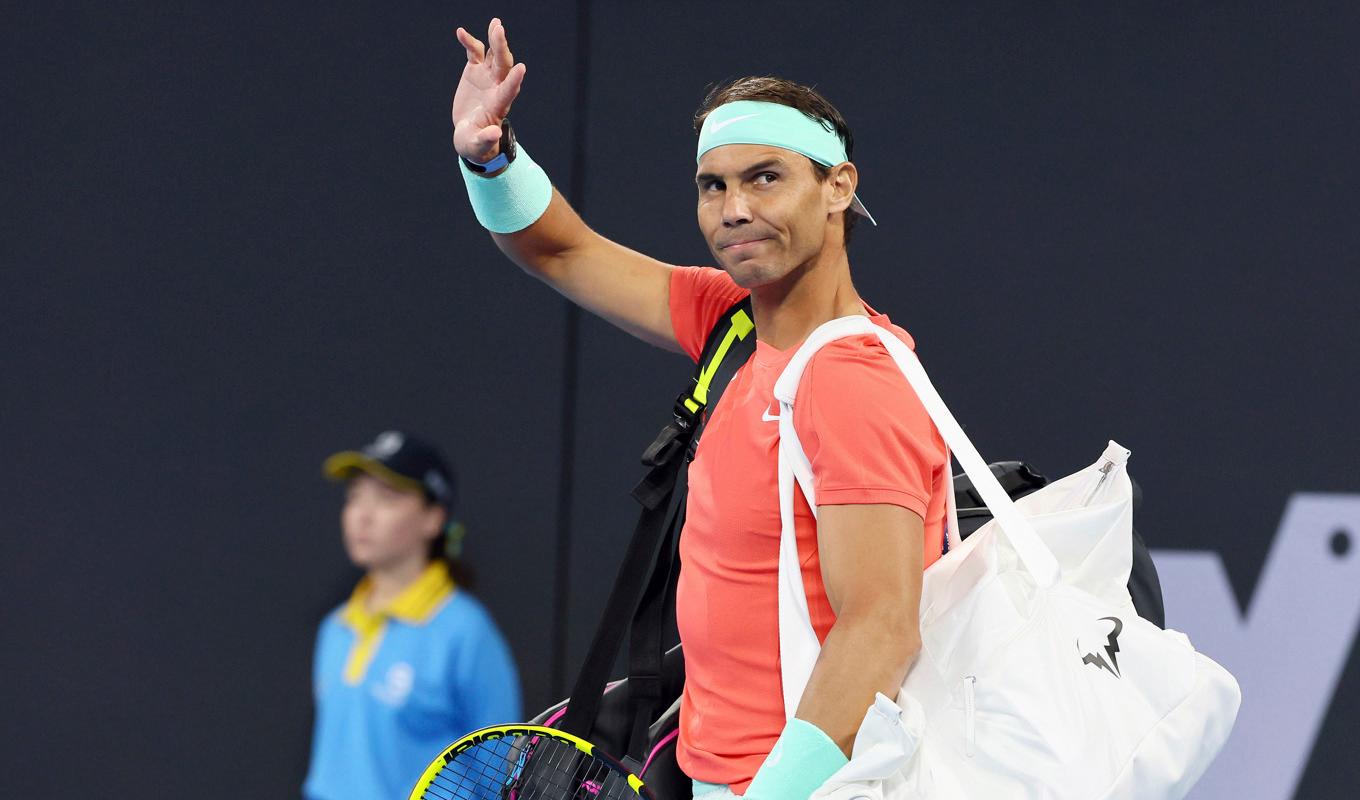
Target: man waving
(776,203)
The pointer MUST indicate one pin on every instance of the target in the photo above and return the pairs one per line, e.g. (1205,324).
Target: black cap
(400,459)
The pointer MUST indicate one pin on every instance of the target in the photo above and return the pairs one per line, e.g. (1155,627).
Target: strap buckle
(677,434)
(687,411)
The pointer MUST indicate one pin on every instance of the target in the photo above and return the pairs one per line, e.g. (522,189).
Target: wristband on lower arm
(514,199)
(801,761)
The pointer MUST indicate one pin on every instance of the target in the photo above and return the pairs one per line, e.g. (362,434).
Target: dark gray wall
(234,240)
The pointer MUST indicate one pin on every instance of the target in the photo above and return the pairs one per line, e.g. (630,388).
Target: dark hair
(806,99)
(448,547)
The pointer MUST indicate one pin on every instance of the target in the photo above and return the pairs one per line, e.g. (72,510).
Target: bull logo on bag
(1106,655)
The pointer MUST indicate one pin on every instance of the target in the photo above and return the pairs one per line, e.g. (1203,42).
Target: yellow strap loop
(741,327)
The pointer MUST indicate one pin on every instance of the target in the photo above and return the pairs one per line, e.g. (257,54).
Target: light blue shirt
(427,684)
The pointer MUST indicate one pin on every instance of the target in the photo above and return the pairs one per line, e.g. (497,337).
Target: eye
(766,178)
(713,185)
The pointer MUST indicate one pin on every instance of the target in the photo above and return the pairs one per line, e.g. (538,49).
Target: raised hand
(491,81)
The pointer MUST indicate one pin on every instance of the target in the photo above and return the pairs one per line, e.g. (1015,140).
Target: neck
(813,293)
(390,580)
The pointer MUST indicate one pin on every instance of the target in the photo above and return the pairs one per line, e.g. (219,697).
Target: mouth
(742,246)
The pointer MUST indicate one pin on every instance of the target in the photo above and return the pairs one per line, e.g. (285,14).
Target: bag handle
(1034,555)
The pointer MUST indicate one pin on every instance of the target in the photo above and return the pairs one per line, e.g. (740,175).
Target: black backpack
(637,718)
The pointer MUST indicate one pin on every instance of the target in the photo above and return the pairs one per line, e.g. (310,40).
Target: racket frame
(483,735)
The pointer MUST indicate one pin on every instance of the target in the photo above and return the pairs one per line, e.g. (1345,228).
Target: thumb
(474,140)
(489,135)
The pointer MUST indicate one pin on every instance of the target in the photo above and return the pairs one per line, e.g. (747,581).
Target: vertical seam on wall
(570,364)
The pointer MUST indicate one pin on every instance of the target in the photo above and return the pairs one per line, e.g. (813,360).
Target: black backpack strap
(730,344)
(646,674)
(649,564)
(638,562)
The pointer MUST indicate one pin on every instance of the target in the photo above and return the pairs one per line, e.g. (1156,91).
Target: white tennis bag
(1036,678)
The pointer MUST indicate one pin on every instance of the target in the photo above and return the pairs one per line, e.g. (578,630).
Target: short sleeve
(864,430)
(485,681)
(699,297)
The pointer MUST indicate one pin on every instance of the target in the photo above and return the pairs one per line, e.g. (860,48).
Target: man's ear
(841,183)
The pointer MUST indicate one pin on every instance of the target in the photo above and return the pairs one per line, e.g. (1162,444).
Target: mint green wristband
(514,199)
(801,761)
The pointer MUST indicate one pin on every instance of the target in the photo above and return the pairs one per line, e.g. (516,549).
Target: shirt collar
(416,604)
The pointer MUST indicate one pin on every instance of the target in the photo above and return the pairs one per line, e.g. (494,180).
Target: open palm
(491,81)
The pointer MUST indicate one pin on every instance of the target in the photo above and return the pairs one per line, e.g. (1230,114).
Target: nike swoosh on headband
(776,125)
(717,126)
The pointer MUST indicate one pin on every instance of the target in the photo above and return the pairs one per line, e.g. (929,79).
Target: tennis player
(776,202)
(412,661)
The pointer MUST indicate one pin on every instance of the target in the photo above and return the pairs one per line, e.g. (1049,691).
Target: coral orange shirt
(869,440)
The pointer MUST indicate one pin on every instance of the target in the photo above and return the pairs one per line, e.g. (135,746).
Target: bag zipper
(1104,476)
(969,714)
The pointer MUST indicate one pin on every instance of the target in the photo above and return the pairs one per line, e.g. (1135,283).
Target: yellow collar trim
(416,604)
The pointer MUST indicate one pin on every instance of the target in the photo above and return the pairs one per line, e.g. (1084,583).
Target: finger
(490,41)
(509,89)
(500,46)
(470,45)
(475,50)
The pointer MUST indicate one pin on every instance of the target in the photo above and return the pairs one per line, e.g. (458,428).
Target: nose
(735,210)
(357,512)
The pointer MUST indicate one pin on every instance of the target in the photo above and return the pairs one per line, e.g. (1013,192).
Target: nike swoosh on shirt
(765,416)
(717,126)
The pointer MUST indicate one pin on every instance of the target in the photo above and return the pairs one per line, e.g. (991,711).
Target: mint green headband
(755,122)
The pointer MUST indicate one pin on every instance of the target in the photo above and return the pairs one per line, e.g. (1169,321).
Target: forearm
(624,287)
(864,654)
(545,248)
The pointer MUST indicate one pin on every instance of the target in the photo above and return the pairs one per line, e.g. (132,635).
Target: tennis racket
(526,762)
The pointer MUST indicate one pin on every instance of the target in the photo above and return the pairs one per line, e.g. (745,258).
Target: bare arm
(625,287)
(872,559)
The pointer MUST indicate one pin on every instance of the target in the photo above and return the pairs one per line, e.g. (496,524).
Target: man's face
(763,211)
(384,526)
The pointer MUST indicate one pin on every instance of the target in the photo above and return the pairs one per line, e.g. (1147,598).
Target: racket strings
(527,768)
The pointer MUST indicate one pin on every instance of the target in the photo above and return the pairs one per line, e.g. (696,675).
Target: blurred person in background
(412,661)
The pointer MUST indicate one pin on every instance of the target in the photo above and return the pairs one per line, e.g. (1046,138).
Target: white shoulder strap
(798,642)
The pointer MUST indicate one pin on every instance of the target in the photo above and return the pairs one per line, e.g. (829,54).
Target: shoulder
(699,296)
(856,362)
(469,634)
(701,281)
(853,382)
(332,635)
(331,622)
(463,615)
